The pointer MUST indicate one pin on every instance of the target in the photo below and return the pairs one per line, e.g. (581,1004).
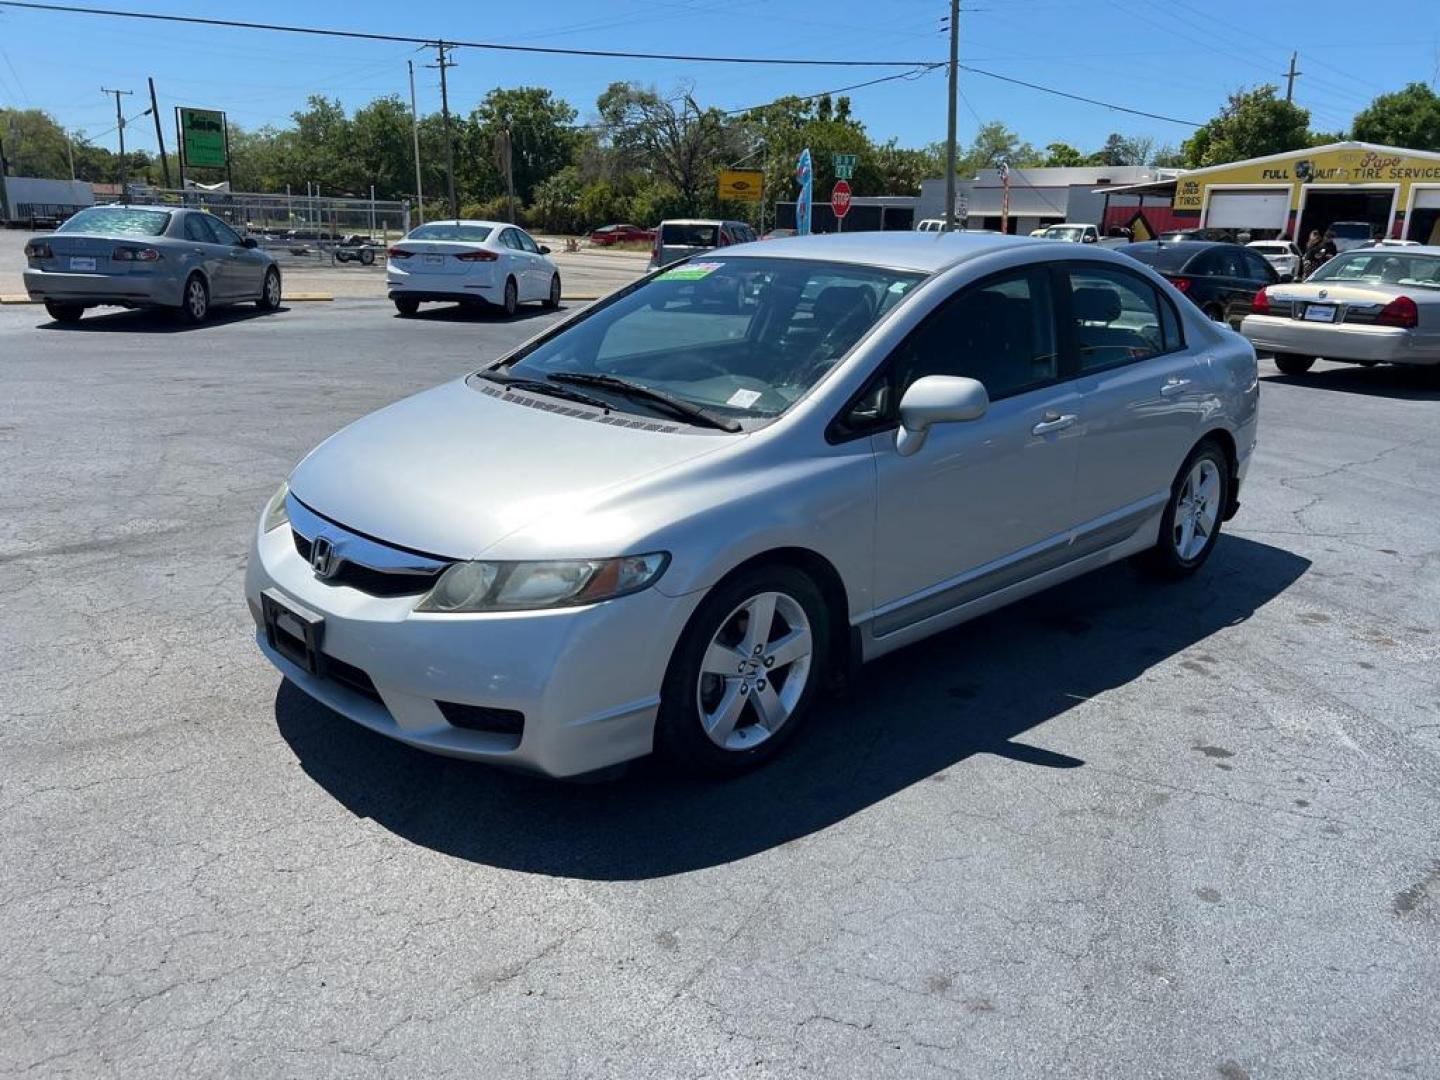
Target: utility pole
(159,135)
(4,193)
(415,134)
(950,124)
(1290,78)
(443,63)
(120,124)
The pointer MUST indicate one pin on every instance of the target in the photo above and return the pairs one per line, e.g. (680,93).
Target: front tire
(553,300)
(367,257)
(1190,525)
(406,307)
(512,297)
(64,313)
(745,673)
(194,301)
(270,291)
(1290,364)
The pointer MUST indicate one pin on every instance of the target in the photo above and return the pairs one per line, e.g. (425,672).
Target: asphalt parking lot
(1117,830)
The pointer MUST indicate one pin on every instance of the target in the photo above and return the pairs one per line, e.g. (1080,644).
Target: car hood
(453,470)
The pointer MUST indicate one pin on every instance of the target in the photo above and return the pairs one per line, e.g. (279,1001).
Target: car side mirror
(544,250)
(250,242)
(937,399)
(1090,240)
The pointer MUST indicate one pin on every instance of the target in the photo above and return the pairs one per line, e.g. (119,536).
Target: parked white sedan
(1367,306)
(1283,255)
(471,262)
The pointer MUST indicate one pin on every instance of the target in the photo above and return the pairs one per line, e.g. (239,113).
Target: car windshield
(1064,232)
(1351,230)
(450,230)
(742,337)
(1382,268)
(685,235)
(118,221)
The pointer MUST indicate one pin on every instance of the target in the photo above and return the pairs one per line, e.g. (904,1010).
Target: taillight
(38,250)
(1400,312)
(1181,283)
(136,254)
(1261,304)
(477,256)
(399,253)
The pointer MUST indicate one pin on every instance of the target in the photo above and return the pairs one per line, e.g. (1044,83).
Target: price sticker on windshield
(690,271)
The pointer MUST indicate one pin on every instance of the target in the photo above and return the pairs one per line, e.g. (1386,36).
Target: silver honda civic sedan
(148,257)
(668,522)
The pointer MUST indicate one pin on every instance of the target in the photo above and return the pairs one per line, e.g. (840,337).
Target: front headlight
(526,586)
(275,513)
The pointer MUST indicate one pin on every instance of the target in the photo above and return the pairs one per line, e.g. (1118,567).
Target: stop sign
(840,198)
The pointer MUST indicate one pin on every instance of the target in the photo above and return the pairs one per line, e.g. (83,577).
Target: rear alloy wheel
(194,301)
(1190,525)
(270,291)
(512,297)
(64,313)
(367,257)
(745,673)
(553,301)
(406,306)
(1291,364)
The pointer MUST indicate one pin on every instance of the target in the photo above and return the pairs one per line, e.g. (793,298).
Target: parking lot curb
(17,298)
(579,298)
(299,298)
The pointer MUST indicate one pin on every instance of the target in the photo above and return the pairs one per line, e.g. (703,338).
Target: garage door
(1248,210)
(1428,199)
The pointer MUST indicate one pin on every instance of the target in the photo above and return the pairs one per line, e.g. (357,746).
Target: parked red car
(620,234)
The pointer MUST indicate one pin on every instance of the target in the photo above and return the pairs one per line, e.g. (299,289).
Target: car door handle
(1173,387)
(1053,422)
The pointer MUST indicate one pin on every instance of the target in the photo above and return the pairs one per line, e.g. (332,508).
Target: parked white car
(1283,255)
(471,262)
(1073,233)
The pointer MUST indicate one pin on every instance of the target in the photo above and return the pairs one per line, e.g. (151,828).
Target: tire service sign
(202,138)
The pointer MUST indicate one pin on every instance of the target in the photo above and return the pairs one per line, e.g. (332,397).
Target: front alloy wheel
(270,291)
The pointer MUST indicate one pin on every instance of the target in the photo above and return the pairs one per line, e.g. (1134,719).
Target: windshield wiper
(538,386)
(679,406)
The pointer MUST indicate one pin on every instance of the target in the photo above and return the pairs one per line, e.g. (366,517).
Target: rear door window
(1119,318)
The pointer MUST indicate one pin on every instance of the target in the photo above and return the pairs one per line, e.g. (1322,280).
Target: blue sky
(1175,58)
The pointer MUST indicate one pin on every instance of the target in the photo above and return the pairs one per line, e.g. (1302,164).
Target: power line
(1075,97)
(237,24)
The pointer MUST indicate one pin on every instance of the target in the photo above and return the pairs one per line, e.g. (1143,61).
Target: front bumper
(132,290)
(586,679)
(1341,341)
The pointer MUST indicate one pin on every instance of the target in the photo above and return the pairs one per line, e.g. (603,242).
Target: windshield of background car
(1167,260)
(1270,249)
(742,337)
(1351,230)
(690,235)
(118,221)
(1382,268)
(1064,234)
(440,230)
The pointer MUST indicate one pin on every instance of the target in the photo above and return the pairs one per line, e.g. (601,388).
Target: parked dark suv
(1221,279)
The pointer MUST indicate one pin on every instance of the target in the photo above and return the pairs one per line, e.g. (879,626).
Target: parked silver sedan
(669,521)
(148,256)
(1366,306)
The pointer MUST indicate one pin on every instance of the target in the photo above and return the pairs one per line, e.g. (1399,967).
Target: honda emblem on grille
(322,557)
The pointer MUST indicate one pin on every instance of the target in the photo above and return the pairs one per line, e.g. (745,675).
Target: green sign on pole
(845,166)
(202,138)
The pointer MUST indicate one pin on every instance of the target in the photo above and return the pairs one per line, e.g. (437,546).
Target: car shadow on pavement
(154,321)
(911,716)
(480,313)
(1383,380)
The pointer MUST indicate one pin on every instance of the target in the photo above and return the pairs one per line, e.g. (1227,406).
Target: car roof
(1192,246)
(1406,251)
(467,221)
(901,249)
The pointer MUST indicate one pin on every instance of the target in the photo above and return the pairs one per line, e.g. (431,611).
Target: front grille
(482,718)
(371,581)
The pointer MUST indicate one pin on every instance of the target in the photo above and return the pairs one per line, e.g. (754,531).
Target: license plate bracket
(1320,313)
(434,260)
(292,630)
(82,262)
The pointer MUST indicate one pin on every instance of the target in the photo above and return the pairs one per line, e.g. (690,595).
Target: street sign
(742,185)
(845,166)
(202,138)
(840,199)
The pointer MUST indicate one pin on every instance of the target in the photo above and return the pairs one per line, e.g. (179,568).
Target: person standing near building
(1318,251)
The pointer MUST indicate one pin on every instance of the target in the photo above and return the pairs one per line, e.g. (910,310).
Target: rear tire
(64,313)
(732,698)
(367,257)
(1190,525)
(407,307)
(194,301)
(512,297)
(553,300)
(270,291)
(1290,364)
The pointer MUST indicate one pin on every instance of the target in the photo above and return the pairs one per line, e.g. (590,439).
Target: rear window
(1270,249)
(1351,230)
(1165,259)
(451,230)
(118,221)
(690,235)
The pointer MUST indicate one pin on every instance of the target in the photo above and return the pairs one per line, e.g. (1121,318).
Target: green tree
(995,143)
(1409,118)
(1059,155)
(541,132)
(672,139)
(1252,123)
(35,145)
